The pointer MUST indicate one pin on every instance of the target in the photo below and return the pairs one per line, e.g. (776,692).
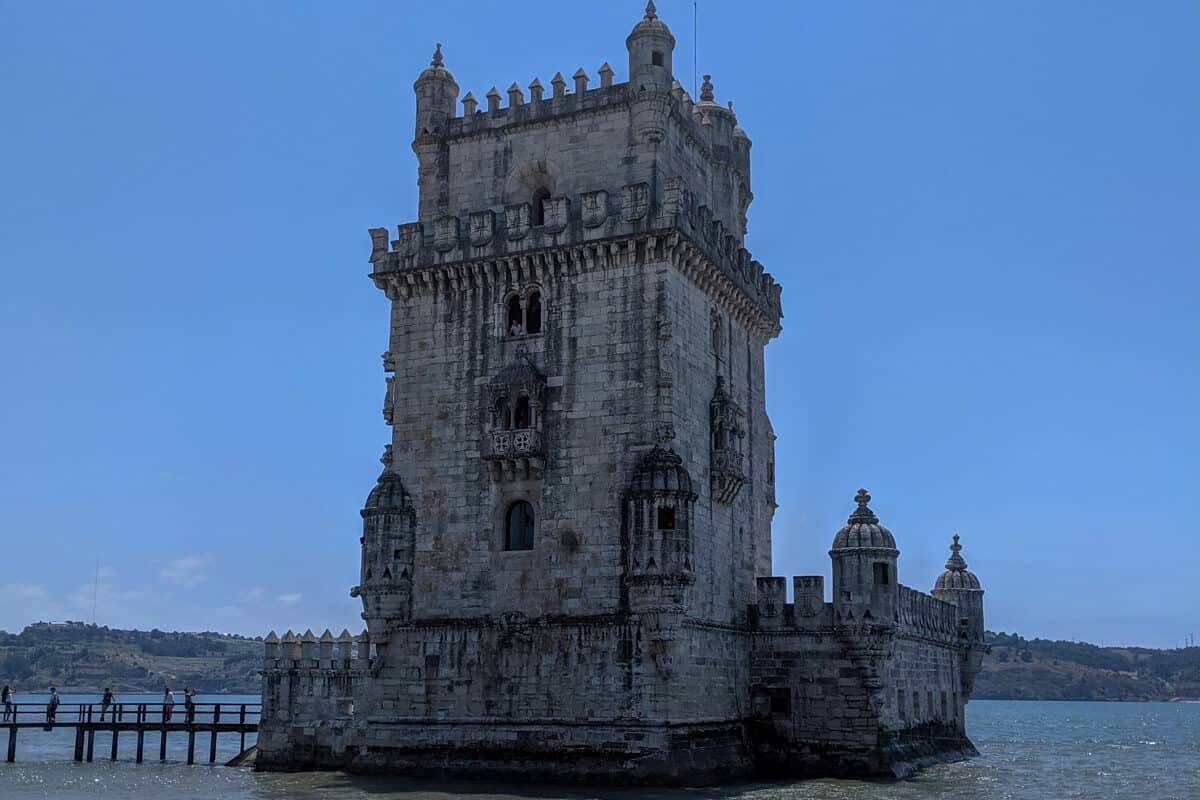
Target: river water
(1029,751)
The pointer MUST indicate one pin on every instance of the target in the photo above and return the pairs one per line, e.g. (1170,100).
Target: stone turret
(864,568)
(388,551)
(659,508)
(651,46)
(958,585)
(437,93)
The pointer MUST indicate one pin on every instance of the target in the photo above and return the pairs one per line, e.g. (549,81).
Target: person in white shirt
(168,704)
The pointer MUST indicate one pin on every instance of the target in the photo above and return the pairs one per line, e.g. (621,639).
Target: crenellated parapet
(578,232)
(920,614)
(309,678)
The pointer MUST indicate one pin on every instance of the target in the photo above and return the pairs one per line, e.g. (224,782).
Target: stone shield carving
(595,208)
(483,227)
(637,201)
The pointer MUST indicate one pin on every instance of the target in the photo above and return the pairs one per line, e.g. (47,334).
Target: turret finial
(651,11)
(956,562)
(437,56)
(706,90)
(863,514)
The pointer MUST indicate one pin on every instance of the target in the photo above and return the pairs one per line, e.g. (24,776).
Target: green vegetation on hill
(1041,669)
(85,658)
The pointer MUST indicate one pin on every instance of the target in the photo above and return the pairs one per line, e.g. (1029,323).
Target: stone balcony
(515,454)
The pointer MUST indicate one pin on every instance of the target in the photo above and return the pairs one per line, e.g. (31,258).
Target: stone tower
(566,561)
(576,388)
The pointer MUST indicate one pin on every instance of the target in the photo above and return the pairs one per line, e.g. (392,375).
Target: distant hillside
(1040,669)
(85,658)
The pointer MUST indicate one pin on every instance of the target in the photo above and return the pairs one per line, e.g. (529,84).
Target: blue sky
(984,217)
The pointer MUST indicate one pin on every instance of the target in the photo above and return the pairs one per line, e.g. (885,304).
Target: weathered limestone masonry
(559,559)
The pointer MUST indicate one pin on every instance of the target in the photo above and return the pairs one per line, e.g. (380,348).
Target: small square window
(656,58)
(666,518)
(882,574)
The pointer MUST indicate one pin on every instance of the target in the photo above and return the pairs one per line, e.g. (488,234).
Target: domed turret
(662,470)
(862,528)
(659,506)
(651,45)
(960,586)
(957,576)
(437,93)
(388,493)
(388,548)
(865,586)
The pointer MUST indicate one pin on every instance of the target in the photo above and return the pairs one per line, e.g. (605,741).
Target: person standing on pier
(105,702)
(168,703)
(8,709)
(189,705)
(51,708)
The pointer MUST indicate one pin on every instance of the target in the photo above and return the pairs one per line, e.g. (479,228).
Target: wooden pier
(137,719)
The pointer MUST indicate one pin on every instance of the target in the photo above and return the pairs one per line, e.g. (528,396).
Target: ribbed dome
(389,493)
(436,68)
(661,470)
(862,529)
(651,25)
(957,576)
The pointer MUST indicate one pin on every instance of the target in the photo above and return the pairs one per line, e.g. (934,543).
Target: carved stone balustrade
(516,453)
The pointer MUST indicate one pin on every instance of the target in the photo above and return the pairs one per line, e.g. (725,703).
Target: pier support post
(79,743)
(212,744)
(12,744)
(91,734)
(140,744)
(162,744)
(191,746)
(113,756)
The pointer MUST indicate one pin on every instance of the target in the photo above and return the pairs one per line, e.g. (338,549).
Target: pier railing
(137,718)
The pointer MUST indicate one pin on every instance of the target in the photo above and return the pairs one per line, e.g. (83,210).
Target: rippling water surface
(1028,750)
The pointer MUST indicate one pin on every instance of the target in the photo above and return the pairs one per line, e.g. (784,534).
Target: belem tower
(566,560)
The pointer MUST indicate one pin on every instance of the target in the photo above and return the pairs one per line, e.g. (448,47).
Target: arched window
(522,419)
(518,527)
(533,313)
(539,209)
(516,325)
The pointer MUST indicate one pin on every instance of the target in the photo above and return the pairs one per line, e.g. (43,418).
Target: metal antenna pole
(95,590)
(695,46)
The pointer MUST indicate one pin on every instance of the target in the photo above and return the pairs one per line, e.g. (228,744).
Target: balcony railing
(519,443)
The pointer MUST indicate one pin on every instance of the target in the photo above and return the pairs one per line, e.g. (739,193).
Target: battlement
(711,127)
(917,613)
(308,652)
(921,614)
(773,612)
(592,217)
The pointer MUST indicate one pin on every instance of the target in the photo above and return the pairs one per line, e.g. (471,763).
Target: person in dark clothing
(105,702)
(189,705)
(51,707)
(8,703)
